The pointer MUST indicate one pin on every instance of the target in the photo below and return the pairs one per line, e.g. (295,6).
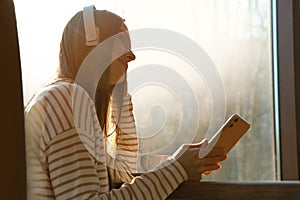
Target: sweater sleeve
(68,162)
(156,184)
(76,175)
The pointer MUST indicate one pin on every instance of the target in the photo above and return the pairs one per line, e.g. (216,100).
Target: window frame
(286,65)
(288,116)
(287,90)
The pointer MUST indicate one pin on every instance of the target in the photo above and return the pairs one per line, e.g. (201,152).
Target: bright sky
(40,26)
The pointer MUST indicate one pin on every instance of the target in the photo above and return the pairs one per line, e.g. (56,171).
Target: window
(234,34)
(237,37)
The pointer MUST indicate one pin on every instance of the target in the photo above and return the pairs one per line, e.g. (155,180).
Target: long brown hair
(109,96)
(73,51)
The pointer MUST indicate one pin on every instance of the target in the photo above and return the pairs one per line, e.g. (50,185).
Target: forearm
(156,184)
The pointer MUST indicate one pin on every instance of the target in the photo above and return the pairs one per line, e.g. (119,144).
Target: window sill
(237,190)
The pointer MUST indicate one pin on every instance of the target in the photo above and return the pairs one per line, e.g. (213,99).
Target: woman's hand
(188,157)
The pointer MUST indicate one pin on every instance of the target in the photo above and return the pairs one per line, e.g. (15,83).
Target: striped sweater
(68,157)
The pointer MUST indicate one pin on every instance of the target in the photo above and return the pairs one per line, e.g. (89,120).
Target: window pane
(237,37)
(176,101)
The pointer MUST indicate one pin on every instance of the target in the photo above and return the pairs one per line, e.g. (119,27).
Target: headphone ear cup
(92,33)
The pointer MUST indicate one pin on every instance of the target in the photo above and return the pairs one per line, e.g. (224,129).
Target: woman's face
(118,68)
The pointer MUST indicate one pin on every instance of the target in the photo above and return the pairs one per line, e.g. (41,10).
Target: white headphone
(92,33)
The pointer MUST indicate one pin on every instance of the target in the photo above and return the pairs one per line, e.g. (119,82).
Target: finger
(207,173)
(212,167)
(216,151)
(194,154)
(212,160)
(203,143)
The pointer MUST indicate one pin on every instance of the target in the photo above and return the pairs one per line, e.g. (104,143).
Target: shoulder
(61,92)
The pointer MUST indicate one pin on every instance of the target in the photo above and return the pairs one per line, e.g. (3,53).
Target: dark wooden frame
(238,190)
(12,148)
(286,25)
(296,28)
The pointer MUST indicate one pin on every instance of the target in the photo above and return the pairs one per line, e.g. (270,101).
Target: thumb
(202,144)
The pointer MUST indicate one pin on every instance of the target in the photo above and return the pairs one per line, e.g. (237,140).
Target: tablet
(227,136)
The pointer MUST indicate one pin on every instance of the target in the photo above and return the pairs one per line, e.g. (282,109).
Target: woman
(78,148)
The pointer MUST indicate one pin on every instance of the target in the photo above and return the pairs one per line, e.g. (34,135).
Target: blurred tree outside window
(235,35)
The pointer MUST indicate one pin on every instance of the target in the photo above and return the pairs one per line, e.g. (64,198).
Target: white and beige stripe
(66,153)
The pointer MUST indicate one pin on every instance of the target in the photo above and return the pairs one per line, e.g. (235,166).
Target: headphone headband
(91,31)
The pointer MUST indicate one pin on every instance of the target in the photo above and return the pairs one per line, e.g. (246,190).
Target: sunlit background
(236,34)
